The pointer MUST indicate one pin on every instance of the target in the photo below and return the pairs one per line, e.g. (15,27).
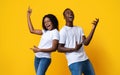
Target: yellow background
(15,39)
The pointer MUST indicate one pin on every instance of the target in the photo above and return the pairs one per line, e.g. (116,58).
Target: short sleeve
(62,37)
(82,32)
(55,35)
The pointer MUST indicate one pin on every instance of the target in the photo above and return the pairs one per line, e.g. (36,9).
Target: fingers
(95,22)
(35,46)
(97,19)
(33,49)
(29,10)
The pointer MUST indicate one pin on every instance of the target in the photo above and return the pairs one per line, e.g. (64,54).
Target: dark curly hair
(53,19)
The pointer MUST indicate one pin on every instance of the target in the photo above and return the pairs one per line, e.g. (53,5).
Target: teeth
(70,17)
(48,26)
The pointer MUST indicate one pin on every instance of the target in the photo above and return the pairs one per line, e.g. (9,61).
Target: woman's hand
(29,11)
(35,49)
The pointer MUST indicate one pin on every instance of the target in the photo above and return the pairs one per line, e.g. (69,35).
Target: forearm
(88,39)
(48,50)
(30,24)
(64,49)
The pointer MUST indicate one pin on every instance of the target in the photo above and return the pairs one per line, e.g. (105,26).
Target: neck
(70,24)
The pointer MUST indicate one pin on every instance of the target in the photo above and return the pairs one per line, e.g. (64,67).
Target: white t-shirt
(46,42)
(69,36)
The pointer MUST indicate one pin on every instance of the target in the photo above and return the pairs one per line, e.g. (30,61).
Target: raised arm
(87,40)
(31,28)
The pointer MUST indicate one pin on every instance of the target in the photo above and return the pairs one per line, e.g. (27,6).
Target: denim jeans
(84,67)
(41,65)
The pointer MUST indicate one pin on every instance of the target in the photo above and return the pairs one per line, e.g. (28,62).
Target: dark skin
(69,18)
(49,26)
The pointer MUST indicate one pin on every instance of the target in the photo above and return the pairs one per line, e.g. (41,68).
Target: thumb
(35,46)
(31,48)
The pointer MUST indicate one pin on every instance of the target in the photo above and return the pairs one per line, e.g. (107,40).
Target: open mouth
(48,26)
(70,16)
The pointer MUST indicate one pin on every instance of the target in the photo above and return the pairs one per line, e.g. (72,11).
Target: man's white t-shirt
(46,42)
(69,36)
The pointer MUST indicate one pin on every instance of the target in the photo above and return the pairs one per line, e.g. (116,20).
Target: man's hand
(95,22)
(78,46)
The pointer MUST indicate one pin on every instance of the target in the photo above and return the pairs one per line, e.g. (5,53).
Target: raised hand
(29,11)
(95,22)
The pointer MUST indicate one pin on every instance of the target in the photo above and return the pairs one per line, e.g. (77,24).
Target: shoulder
(78,27)
(63,29)
(55,34)
(55,31)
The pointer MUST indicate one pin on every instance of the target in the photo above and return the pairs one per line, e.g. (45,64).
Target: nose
(46,24)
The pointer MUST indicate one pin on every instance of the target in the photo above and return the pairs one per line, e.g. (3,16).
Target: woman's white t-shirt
(46,42)
(69,36)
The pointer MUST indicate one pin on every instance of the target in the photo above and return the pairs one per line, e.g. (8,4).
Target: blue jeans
(41,65)
(84,67)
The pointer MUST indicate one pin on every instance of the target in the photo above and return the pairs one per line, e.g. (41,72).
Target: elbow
(31,31)
(86,43)
(58,49)
(53,49)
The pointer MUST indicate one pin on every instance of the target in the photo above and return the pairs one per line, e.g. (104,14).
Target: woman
(48,43)
(71,42)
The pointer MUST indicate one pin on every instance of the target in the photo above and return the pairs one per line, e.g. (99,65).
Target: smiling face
(48,24)
(68,15)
